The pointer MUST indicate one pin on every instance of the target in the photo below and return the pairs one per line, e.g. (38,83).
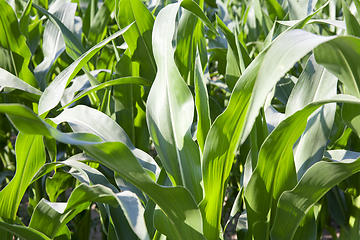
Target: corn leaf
(276,163)
(296,203)
(22,231)
(30,156)
(339,56)
(73,46)
(8,80)
(170,110)
(53,42)
(14,53)
(118,81)
(49,217)
(234,125)
(315,83)
(138,37)
(98,28)
(176,202)
(53,93)
(83,119)
(202,104)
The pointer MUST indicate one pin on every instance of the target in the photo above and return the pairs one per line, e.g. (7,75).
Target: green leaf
(235,124)
(83,119)
(27,122)
(50,217)
(296,203)
(339,56)
(9,80)
(25,20)
(23,232)
(275,171)
(15,54)
(98,28)
(352,25)
(193,7)
(53,93)
(237,58)
(177,202)
(275,10)
(139,36)
(170,110)
(118,81)
(53,42)
(202,104)
(30,156)
(74,48)
(188,36)
(315,83)
(57,184)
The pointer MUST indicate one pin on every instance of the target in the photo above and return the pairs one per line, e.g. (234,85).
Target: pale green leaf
(118,81)
(53,42)
(8,80)
(177,202)
(340,57)
(352,24)
(53,93)
(315,83)
(83,119)
(170,110)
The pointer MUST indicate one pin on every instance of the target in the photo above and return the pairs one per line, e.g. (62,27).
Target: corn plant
(180,119)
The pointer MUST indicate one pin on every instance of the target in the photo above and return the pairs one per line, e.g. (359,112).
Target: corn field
(179,120)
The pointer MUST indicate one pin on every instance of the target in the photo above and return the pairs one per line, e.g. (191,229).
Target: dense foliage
(192,119)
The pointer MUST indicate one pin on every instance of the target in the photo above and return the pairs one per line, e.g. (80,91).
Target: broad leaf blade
(22,232)
(315,83)
(177,202)
(9,80)
(340,57)
(296,203)
(30,156)
(237,120)
(170,110)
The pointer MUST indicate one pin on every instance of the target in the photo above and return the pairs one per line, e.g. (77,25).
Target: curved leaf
(50,217)
(53,93)
(296,203)
(14,53)
(275,171)
(177,202)
(170,110)
(235,124)
(23,232)
(83,119)
(340,57)
(138,37)
(53,42)
(123,80)
(9,80)
(315,83)
(30,156)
